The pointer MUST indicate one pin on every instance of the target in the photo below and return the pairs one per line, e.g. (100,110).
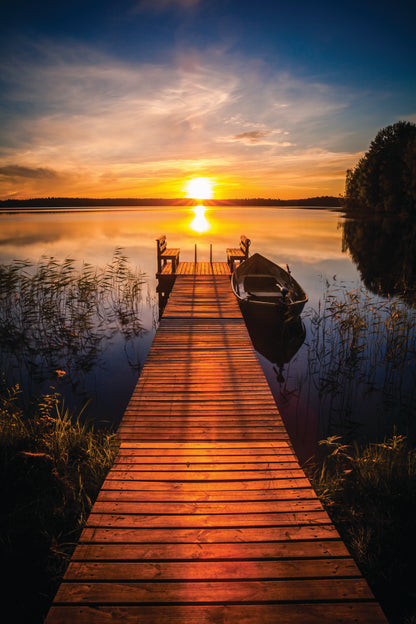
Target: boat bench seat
(165,254)
(238,253)
(262,286)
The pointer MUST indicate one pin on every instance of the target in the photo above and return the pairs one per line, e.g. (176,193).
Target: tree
(384,180)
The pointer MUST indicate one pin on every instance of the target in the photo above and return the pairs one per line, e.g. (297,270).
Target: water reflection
(310,241)
(200,223)
(71,328)
(92,236)
(275,340)
(384,250)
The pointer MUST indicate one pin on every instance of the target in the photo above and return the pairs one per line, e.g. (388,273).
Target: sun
(199,188)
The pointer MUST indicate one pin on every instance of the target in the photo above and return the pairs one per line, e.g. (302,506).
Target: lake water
(310,241)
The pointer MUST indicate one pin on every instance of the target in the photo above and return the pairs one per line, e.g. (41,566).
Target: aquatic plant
(361,357)
(370,493)
(60,315)
(51,468)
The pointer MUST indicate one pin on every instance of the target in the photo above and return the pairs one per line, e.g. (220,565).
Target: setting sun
(199,188)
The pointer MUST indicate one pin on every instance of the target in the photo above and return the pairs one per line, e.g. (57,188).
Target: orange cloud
(91,125)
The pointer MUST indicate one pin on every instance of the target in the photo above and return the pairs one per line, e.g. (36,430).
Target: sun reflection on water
(200,223)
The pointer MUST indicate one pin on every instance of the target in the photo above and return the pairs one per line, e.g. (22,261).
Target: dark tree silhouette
(384,180)
(384,249)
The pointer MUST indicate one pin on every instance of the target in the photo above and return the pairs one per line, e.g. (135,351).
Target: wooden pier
(206,515)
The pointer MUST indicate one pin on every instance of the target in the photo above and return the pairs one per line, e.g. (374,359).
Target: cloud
(85,122)
(16,171)
(256,137)
(252,137)
(158,6)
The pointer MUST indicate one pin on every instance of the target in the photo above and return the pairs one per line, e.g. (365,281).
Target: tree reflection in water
(384,249)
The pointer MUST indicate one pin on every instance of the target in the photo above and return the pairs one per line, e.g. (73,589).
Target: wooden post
(195,255)
(210,253)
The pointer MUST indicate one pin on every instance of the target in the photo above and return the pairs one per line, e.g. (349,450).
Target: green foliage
(384,180)
(370,494)
(51,469)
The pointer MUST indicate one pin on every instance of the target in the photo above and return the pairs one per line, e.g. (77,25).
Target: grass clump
(361,359)
(370,494)
(56,314)
(51,469)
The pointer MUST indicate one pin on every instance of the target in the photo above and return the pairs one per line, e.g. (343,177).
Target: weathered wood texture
(238,254)
(166,255)
(206,516)
(199,268)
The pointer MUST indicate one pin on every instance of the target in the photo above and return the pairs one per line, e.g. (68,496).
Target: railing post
(196,255)
(210,253)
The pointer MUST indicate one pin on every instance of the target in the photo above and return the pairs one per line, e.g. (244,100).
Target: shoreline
(72,202)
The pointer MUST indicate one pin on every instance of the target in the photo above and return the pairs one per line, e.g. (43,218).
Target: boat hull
(265,287)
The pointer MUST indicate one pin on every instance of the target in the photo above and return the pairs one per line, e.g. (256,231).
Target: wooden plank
(209,432)
(234,494)
(302,613)
(202,476)
(209,436)
(148,420)
(196,297)
(203,447)
(130,463)
(206,449)
(240,552)
(214,486)
(215,592)
(197,520)
(206,516)
(194,456)
(181,507)
(198,535)
(202,570)
(190,268)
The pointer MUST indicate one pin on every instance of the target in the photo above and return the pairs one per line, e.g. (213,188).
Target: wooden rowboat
(262,284)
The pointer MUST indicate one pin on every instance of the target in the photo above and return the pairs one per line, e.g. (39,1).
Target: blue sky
(134,97)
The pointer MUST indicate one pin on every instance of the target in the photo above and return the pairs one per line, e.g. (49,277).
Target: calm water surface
(308,240)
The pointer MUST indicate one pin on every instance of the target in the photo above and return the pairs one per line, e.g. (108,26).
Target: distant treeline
(71,202)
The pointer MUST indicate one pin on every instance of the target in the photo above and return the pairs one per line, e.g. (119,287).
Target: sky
(133,98)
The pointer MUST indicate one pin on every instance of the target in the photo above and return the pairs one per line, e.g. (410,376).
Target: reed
(361,358)
(62,313)
(370,494)
(52,466)
(360,377)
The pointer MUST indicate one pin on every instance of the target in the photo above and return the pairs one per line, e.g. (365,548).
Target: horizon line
(184,201)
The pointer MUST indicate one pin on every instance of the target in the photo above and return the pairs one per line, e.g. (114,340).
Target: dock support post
(196,254)
(210,253)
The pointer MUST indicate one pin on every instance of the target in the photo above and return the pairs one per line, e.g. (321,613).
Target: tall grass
(58,315)
(57,319)
(370,494)
(359,382)
(51,468)
(361,358)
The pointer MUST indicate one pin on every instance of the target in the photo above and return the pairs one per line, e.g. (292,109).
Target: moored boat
(262,284)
